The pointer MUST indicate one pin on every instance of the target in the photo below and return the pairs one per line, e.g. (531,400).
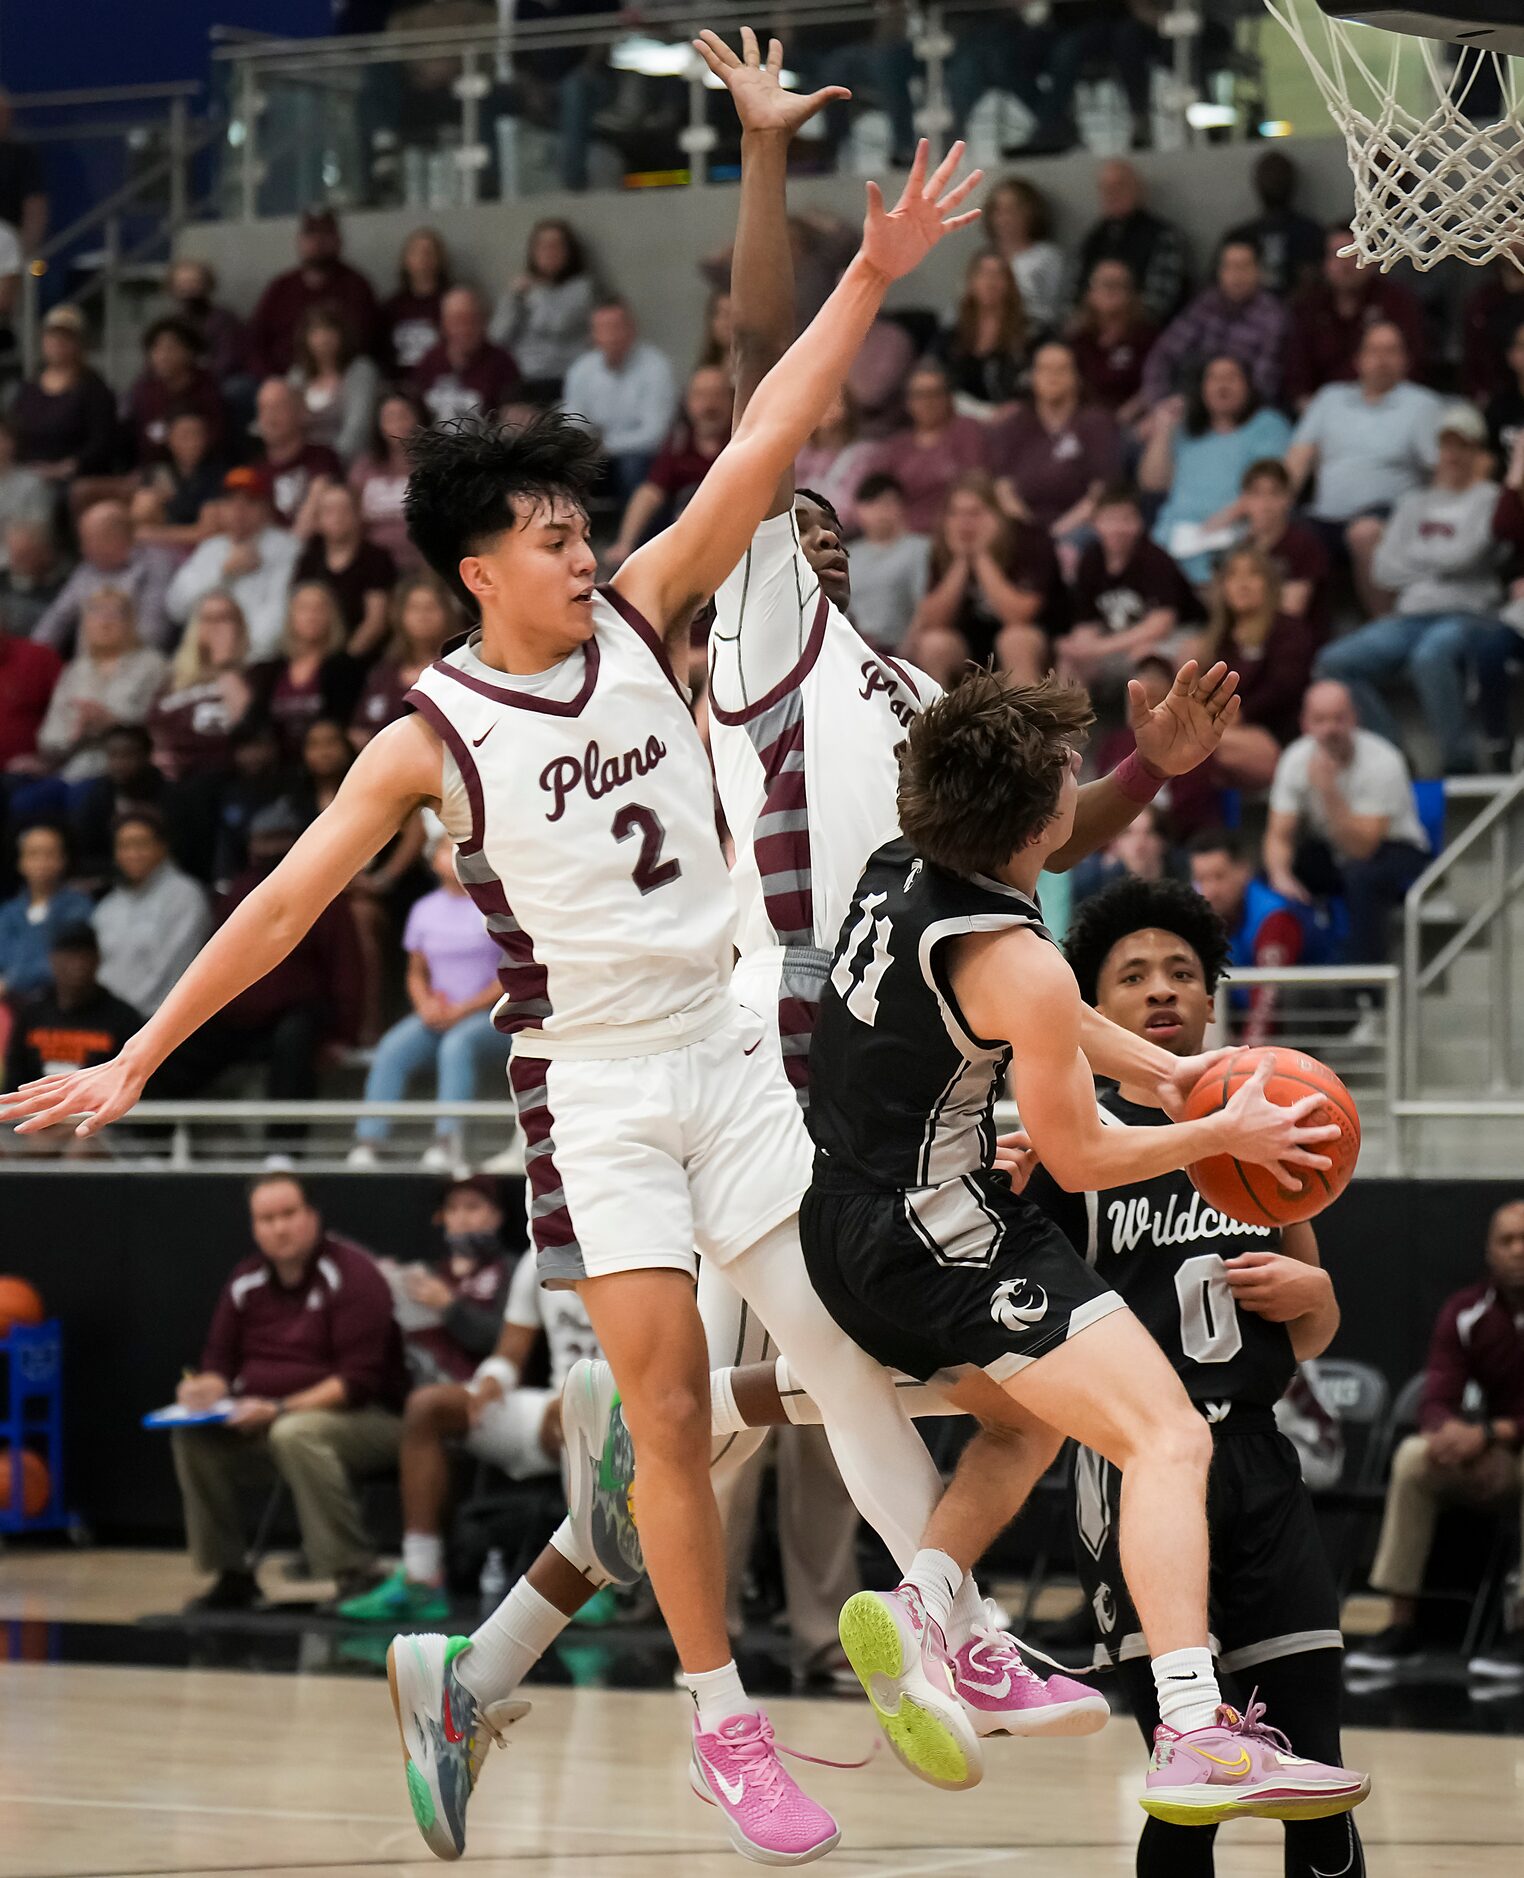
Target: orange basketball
(1249,1192)
(35,1484)
(20,1303)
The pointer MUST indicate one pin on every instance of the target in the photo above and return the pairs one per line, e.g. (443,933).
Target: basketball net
(1430,181)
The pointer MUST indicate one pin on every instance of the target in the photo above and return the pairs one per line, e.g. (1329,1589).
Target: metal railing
(1497,838)
(463,82)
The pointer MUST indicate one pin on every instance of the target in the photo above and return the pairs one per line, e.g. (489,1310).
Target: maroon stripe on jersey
(526,700)
(431,714)
(796,1026)
(550,1220)
(781,838)
(632,617)
(790,683)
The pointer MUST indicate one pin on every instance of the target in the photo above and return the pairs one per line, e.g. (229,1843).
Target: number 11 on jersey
(860,993)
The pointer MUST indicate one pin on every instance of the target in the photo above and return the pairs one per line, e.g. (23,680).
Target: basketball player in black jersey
(1234,1308)
(944,978)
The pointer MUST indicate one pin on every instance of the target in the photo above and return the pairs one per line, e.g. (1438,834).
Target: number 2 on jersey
(650,870)
(860,993)
(1209,1328)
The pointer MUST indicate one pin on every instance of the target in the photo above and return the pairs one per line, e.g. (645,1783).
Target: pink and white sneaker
(899,1656)
(1005,1697)
(1242,1769)
(768,1816)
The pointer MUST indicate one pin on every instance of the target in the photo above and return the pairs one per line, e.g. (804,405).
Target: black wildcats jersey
(1162,1247)
(901,1094)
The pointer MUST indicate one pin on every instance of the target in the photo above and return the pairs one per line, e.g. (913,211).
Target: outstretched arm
(393,775)
(1172,738)
(683,566)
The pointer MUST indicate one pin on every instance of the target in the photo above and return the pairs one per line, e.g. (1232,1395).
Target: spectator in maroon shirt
(379,479)
(319,278)
(1272,652)
(304,1341)
(209,694)
(360,573)
(1130,598)
(173,380)
(993,590)
(64,420)
(177,501)
(290,464)
(28,674)
(680,465)
(1328,321)
(1294,550)
(423,619)
(1053,457)
(410,316)
(1187,802)
(1460,1453)
(224,340)
(1110,337)
(937,448)
(464,372)
(314,676)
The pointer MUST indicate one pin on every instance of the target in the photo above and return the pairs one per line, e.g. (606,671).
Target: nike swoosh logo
(733,1793)
(477,742)
(452,1733)
(1237,1768)
(1003,1687)
(756,1045)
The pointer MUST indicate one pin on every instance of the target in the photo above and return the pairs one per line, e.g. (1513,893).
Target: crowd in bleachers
(1093,460)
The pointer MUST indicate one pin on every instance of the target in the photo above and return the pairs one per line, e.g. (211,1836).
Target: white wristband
(501,1371)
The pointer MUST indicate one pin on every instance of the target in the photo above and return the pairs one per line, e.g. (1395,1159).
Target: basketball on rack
(1252,1193)
(20,1303)
(35,1484)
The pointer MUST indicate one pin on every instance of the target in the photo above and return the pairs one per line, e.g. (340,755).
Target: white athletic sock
(938,1579)
(724,1417)
(966,1615)
(423,1558)
(719,1696)
(1186,1681)
(564,1539)
(510,1643)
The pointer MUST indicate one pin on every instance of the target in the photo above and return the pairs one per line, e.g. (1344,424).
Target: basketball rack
(31,1417)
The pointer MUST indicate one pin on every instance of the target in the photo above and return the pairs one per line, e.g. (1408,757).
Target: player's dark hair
(1226,841)
(824,504)
(473,479)
(1130,905)
(983,768)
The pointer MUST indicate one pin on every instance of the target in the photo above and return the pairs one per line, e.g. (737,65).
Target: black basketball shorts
(1270,1593)
(943,1277)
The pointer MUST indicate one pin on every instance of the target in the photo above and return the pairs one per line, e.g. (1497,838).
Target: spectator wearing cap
(33,918)
(1439,556)
(339,386)
(321,277)
(1362,447)
(623,388)
(173,379)
(70,1021)
(305,1006)
(110,555)
(291,463)
(1237,315)
(304,1340)
(465,371)
(64,419)
(251,559)
(28,674)
(154,921)
(1330,318)
(452,986)
(113,680)
(1153,249)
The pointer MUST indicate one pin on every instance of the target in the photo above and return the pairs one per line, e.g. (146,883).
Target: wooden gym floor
(108,1767)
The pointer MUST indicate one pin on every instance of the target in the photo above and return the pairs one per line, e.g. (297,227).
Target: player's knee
(1180,1438)
(668,1420)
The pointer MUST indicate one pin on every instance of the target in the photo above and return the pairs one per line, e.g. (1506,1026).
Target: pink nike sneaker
(1004,1697)
(768,1816)
(1242,1769)
(899,1656)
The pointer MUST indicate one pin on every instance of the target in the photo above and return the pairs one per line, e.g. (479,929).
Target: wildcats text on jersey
(1136,1217)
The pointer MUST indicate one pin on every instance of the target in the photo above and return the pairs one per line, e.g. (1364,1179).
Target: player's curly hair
(1129,906)
(473,478)
(983,767)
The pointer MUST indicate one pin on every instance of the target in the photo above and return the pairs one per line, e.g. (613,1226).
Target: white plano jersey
(561,1314)
(806,720)
(581,804)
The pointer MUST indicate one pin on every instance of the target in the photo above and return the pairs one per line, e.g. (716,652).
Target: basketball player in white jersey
(559,748)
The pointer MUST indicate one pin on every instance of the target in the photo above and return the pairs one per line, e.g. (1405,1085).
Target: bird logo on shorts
(1018,1304)
(1105,1608)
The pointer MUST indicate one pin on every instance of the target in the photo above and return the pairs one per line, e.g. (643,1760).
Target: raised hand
(99,1095)
(1187,724)
(899,239)
(755,87)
